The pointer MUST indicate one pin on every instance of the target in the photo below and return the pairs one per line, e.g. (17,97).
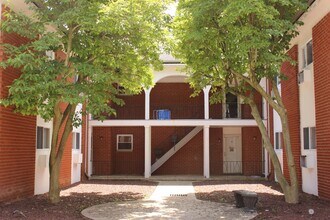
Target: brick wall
(187,161)
(321,49)
(102,155)
(108,161)
(290,95)
(216,151)
(17,140)
(251,151)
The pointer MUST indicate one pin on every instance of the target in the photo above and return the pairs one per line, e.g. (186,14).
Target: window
(42,138)
(232,106)
(278,140)
(307,53)
(277,80)
(309,138)
(75,140)
(124,142)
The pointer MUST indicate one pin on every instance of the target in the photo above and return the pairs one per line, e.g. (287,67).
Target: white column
(206,91)
(147,103)
(147,151)
(206,151)
(89,158)
(266,163)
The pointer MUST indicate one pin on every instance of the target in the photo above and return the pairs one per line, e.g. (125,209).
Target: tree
(102,42)
(232,46)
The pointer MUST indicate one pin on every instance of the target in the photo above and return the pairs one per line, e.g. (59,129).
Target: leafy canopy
(103,42)
(221,41)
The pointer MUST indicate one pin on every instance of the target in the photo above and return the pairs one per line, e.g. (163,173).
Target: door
(232,154)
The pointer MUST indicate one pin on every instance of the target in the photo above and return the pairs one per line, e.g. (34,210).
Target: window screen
(313,138)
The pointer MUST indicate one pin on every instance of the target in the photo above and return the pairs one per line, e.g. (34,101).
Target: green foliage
(102,42)
(221,40)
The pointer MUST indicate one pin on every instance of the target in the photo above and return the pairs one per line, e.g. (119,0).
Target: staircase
(175,148)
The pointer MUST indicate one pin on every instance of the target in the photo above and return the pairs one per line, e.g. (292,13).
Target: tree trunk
(290,194)
(57,148)
(293,196)
(54,185)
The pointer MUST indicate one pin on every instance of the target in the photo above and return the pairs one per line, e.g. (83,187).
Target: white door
(232,154)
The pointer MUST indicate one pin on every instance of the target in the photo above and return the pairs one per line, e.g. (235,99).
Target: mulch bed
(77,198)
(271,204)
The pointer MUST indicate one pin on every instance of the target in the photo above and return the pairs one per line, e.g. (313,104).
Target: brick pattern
(108,161)
(188,160)
(216,151)
(183,106)
(321,48)
(252,151)
(17,139)
(290,95)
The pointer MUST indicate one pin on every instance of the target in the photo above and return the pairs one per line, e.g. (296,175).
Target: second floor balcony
(173,101)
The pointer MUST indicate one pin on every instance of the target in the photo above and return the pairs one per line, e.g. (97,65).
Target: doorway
(232,154)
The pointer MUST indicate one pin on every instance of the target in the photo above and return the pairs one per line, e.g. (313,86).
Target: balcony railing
(180,112)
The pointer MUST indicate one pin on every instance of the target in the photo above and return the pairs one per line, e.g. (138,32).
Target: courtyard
(217,193)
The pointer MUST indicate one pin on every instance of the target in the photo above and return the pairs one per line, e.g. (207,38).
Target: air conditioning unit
(77,158)
(304,76)
(307,161)
(43,161)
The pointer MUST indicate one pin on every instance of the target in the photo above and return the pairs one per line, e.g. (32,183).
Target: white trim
(117,142)
(147,151)
(193,123)
(206,91)
(206,151)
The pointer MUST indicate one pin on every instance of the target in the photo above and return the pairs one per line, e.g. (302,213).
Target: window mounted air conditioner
(304,76)
(307,161)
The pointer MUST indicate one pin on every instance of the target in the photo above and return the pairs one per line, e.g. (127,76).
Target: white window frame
(74,141)
(310,142)
(304,55)
(278,142)
(45,139)
(117,142)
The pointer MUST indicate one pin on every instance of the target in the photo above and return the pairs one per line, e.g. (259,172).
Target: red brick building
(23,158)
(305,95)
(165,131)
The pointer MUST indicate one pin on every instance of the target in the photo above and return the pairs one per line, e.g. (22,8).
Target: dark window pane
(39,137)
(124,146)
(78,141)
(306,138)
(46,138)
(231,106)
(309,54)
(313,138)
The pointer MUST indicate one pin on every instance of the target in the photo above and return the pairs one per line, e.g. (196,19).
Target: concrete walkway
(170,200)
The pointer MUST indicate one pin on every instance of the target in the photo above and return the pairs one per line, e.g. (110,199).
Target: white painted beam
(147,151)
(178,122)
(206,151)
(206,91)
